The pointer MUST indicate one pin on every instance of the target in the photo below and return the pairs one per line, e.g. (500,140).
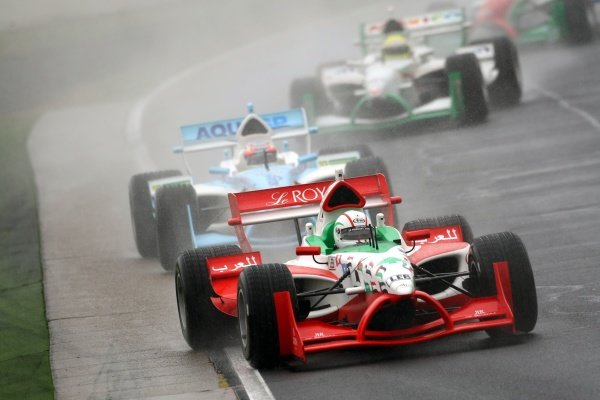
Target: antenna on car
(339,174)
(250,107)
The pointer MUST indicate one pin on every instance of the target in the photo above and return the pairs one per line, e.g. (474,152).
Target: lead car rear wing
(301,201)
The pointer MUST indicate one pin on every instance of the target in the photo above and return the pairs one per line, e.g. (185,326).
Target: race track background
(113,320)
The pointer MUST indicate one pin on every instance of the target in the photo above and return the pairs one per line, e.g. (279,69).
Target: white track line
(593,121)
(252,381)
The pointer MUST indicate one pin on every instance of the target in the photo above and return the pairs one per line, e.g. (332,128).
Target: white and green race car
(413,69)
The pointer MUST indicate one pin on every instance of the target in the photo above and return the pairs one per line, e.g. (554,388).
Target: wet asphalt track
(533,170)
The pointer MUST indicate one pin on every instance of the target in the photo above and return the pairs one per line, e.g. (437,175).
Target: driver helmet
(350,229)
(396,47)
(392,25)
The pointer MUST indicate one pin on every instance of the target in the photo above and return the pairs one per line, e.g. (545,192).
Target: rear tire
(579,27)
(507,89)
(256,311)
(437,222)
(143,221)
(505,246)
(472,86)
(172,222)
(201,323)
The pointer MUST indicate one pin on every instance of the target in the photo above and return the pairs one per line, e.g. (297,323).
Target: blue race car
(171,212)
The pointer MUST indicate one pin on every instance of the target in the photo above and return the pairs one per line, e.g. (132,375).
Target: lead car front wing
(297,339)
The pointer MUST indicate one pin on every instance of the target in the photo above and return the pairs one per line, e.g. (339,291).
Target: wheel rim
(243,319)
(180,301)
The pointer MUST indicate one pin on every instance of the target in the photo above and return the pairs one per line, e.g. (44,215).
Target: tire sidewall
(172,225)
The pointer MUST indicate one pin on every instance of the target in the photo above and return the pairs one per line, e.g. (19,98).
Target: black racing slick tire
(472,88)
(174,234)
(201,323)
(256,311)
(437,222)
(580,20)
(303,91)
(505,246)
(143,221)
(507,89)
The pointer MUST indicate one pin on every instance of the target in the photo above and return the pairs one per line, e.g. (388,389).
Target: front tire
(472,91)
(174,234)
(201,323)
(143,221)
(256,311)
(507,89)
(505,246)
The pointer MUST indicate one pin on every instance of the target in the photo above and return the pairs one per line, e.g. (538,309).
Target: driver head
(350,229)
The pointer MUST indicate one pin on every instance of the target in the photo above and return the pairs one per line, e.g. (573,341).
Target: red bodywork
(495,12)
(301,338)
(224,274)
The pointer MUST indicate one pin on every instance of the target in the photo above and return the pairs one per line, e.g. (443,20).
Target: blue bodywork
(229,134)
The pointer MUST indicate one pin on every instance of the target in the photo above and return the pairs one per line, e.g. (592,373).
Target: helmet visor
(356,233)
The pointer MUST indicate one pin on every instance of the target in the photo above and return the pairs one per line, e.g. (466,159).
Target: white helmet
(350,229)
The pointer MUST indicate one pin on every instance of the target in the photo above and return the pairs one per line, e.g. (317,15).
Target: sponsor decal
(481,51)
(447,17)
(308,195)
(156,184)
(228,128)
(399,277)
(440,236)
(229,264)
(375,287)
(480,313)
(359,220)
(379,272)
(331,263)
(345,267)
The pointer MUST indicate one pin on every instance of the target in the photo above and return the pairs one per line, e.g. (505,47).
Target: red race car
(356,281)
(531,21)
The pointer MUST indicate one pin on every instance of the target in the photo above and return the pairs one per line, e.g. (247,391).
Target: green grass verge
(24,343)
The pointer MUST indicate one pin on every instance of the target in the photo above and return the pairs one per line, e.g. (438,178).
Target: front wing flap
(297,339)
